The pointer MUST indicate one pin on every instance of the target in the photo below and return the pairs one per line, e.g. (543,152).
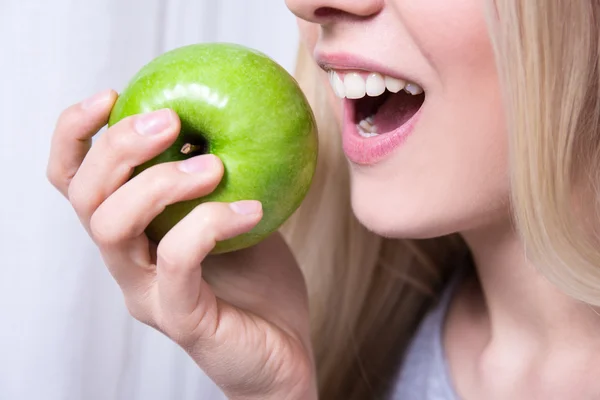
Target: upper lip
(351,62)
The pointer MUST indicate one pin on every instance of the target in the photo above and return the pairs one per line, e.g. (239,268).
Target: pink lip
(369,151)
(358,149)
(345,61)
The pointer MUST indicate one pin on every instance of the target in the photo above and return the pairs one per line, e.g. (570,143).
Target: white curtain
(64,332)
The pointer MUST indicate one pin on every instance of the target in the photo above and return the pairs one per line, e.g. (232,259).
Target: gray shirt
(425,374)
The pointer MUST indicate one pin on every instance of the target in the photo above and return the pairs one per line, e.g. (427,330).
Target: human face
(439,163)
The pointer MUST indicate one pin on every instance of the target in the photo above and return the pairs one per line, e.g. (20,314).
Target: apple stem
(189,148)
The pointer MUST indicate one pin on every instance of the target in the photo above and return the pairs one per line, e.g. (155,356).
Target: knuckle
(160,184)
(168,259)
(54,177)
(157,179)
(208,223)
(83,200)
(137,311)
(78,199)
(119,138)
(105,231)
(211,221)
(68,118)
(208,218)
(178,328)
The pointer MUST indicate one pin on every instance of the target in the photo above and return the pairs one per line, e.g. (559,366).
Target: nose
(325,11)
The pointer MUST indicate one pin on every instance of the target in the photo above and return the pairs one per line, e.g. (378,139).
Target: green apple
(241,106)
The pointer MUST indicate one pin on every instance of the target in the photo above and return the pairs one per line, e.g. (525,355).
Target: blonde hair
(548,56)
(368,293)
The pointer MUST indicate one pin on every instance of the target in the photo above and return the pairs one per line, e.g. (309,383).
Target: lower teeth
(366,127)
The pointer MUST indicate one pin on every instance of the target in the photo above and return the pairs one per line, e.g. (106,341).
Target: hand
(242,316)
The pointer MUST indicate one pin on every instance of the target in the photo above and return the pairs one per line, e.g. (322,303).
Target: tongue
(396,111)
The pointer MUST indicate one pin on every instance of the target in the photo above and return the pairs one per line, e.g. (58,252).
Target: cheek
(309,35)
(451,175)
(456,39)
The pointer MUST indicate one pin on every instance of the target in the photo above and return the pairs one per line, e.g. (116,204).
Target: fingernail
(153,123)
(246,207)
(96,100)
(197,164)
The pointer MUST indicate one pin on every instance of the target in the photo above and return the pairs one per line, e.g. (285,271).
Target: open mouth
(383,114)
(378,104)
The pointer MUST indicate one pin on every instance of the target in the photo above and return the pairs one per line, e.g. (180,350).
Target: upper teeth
(354,86)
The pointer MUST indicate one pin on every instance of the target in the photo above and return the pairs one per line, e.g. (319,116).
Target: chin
(395,219)
(412,216)
(415,225)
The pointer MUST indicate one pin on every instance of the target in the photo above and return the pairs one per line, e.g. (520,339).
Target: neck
(519,301)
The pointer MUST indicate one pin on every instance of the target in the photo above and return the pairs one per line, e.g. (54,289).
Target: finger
(72,137)
(118,224)
(182,295)
(110,162)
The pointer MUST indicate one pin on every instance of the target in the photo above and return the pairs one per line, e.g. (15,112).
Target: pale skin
(243,317)
(509,334)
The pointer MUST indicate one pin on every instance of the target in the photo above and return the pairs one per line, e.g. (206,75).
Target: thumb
(184,247)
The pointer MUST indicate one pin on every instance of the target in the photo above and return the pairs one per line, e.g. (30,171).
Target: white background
(64,332)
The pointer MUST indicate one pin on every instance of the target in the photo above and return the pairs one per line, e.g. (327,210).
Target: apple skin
(244,108)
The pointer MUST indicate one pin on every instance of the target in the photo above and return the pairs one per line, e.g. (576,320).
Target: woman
(454,254)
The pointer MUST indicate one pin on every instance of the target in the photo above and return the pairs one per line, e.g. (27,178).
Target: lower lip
(368,151)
